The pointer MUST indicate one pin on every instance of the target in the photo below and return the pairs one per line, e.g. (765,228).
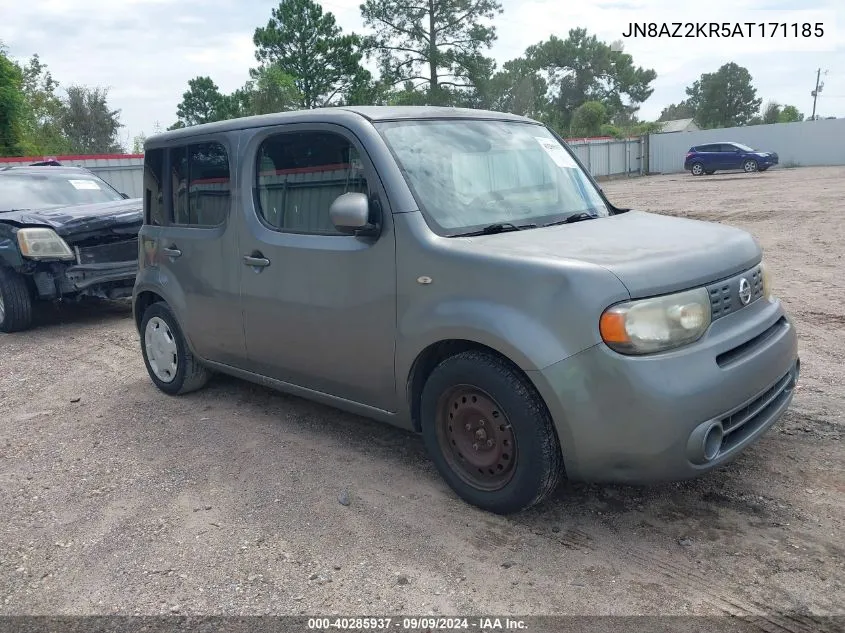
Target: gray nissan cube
(458,273)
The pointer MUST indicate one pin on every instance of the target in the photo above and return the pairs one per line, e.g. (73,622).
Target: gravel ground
(118,499)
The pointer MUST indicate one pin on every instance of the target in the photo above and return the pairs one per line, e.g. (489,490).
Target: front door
(731,158)
(319,306)
(196,249)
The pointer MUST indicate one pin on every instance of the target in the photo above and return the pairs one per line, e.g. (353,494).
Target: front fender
(10,255)
(515,334)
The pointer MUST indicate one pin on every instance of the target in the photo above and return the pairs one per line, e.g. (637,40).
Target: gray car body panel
(347,326)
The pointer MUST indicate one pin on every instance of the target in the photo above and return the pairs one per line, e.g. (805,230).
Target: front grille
(724,295)
(124,251)
(743,422)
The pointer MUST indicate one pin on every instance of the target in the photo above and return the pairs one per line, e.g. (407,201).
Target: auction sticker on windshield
(84,184)
(556,152)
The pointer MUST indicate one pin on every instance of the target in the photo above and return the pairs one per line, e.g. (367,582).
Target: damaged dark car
(64,234)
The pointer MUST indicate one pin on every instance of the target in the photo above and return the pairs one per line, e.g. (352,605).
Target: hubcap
(161,349)
(476,438)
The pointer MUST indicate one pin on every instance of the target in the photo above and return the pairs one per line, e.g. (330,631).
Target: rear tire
(489,433)
(15,302)
(170,363)
(697,169)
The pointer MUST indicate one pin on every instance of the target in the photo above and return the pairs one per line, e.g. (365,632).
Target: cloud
(145,51)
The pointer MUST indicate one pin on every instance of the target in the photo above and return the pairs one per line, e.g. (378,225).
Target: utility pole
(816,92)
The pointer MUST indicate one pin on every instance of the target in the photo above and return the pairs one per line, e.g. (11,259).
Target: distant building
(679,125)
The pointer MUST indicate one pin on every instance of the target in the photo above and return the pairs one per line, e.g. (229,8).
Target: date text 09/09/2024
(479,624)
(752,30)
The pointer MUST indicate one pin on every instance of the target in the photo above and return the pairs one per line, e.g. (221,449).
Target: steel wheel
(750,166)
(476,438)
(697,169)
(162,353)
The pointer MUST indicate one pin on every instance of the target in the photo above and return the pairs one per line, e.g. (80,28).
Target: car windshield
(470,174)
(41,191)
(744,148)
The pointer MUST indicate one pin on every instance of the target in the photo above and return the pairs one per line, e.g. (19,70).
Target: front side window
(468,174)
(300,174)
(200,186)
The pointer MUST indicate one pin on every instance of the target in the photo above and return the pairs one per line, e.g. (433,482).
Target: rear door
(709,156)
(319,306)
(197,248)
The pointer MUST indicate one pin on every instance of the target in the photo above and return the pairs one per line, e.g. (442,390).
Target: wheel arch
(434,354)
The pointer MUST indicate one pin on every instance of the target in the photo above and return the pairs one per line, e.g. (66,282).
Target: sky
(145,51)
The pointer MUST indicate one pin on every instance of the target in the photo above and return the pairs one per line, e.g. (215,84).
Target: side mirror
(125,196)
(350,213)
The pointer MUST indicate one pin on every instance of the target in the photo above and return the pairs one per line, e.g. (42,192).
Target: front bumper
(626,419)
(111,280)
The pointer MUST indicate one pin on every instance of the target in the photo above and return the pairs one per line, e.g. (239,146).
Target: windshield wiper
(575,217)
(498,227)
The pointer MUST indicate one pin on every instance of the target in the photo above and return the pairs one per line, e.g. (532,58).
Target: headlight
(43,244)
(658,324)
(767,282)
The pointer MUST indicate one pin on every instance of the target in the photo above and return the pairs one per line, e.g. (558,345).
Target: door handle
(257,261)
(172,252)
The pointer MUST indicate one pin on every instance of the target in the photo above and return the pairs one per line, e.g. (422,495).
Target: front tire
(170,363)
(489,433)
(749,166)
(697,169)
(15,302)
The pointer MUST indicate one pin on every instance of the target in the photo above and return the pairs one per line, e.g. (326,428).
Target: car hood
(650,254)
(121,215)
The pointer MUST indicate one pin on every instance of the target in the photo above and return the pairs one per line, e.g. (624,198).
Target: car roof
(336,115)
(44,169)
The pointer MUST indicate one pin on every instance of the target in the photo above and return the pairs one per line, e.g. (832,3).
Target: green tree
(44,107)
(790,114)
(13,110)
(725,98)
(588,118)
(581,68)
(771,114)
(138,143)
(201,103)
(517,89)
(681,110)
(431,44)
(88,122)
(270,90)
(309,46)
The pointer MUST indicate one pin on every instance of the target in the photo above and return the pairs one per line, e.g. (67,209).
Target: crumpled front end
(105,270)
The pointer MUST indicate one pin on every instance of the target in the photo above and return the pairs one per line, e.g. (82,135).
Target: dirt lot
(118,499)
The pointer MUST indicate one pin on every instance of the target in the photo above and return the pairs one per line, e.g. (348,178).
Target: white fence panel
(806,143)
(610,157)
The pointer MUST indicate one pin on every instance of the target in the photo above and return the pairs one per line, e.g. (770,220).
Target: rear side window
(153,187)
(300,174)
(201,189)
